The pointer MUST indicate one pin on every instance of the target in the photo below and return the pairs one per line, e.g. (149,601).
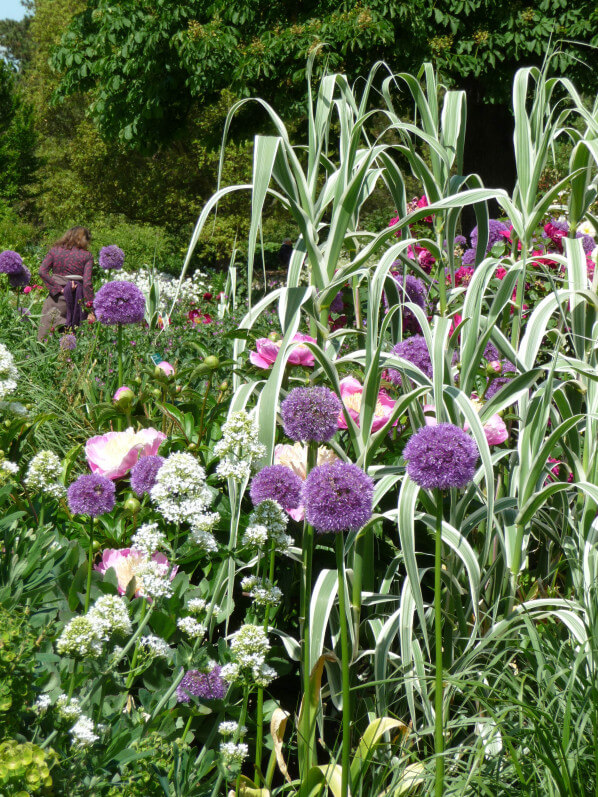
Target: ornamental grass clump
(310,414)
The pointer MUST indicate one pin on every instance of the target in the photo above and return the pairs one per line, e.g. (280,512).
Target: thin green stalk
(363,568)
(515,566)
(356,304)
(89,565)
(517,320)
(237,734)
(346,720)
(259,742)
(203,407)
(438,690)
(119,339)
(131,674)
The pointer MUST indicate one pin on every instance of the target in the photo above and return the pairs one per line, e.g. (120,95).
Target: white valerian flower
(8,372)
(269,516)
(263,674)
(43,703)
(83,732)
(68,708)
(83,637)
(155,579)
(155,646)
(249,639)
(204,540)
(43,474)
(255,536)
(180,491)
(587,228)
(229,727)
(7,470)
(112,611)
(148,539)
(197,605)
(230,672)
(191,627)
(191,288)
(261,590)
(233,754)
(239,446)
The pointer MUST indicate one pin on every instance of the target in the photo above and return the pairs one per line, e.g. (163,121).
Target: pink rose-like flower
(352,395)
(422,202)
(495,430)
(267,352)
(127,562)
(166,368)
(500,273)
(27,289)
(113,454)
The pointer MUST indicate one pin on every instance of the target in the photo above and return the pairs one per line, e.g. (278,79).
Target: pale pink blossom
(113,454)
(267,352)
(127,562)
(166,368)
(352,394)
(495,429)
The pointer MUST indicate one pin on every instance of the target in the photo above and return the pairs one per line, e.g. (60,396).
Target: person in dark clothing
(66,271)
(285,252)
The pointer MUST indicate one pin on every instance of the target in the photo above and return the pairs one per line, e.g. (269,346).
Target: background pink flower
(352,395)
(113,454)
(267,352)
(126,563)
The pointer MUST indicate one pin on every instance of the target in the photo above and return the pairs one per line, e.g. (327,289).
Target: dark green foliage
(17,138)
(18,645)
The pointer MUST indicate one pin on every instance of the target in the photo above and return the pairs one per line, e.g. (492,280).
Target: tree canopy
(146,62)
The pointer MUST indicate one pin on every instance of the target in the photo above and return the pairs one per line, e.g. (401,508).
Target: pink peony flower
(500,273)
(422,202)
(352,395)
(495,430)
(166,368)
(113,454)
(267,352)
(127,562)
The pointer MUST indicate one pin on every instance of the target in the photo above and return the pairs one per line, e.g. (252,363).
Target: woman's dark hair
(75,238)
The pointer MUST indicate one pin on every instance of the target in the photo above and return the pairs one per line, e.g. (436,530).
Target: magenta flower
(267,352)
(352,395)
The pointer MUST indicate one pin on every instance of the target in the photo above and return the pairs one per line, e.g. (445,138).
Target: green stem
(346,720)
(237,734)
(356,304)
(515,567)
(119,339)
(363,568)
(438,701)
(131,674)
(203,407)
(89,565)
(259,743)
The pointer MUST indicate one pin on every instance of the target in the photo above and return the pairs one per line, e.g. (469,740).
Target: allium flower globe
(111,257)
(10,262)
(310,414)
(92,495)
(119,302)
(68,342)
(415,350)
(143,474)
(276,483)
(20,279)
(440,457)
(337,497)
(205,685)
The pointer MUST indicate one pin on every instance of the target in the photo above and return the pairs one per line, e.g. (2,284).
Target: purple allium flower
(496,384)
(587,242)
(491,353)
(91,495)
(119,302)
(460,240)
(337,497)
(20,278)
(206,685)
(440,457)
(468,258)
(111,257)
(310,414)
(144,472)
(414,349)
(10,262)
(337,305)
(277,483)
(495,233)
(68,342)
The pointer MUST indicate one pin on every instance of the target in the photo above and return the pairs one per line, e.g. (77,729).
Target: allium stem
(89,565)
(515,566)
(260,692)
(346,720)
(131,675)
(363,568)
(438,695)
(119,338)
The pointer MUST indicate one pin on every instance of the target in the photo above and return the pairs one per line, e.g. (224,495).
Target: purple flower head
(461,241)
(205,685)
(495,234)
(337,497)
(119,302)
(20,279)
(68,342)
(144,472)
(10,262)
(310,413)
(491,353)
(468,258)
(337,305)
(414,349)
(411,289)
(496,384)
(587,242)
(277,483)
(92,495)
(111,257)
(440,457)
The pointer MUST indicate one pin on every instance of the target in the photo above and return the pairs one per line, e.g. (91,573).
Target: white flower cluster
(147,539)
(182,496)
(198,605)
(8,372)
(14,407)
(191,627)
(154,578)
(83,732)
(268,521)
(261,590)
(43,703)
(192,288)
(85,636)
(233,754)
(239,446)
(68,709)
(7,470)
(155,646)
(43,474)
(230,727)
(249,647)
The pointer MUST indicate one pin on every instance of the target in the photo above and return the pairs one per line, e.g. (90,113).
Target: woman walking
(66,273)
